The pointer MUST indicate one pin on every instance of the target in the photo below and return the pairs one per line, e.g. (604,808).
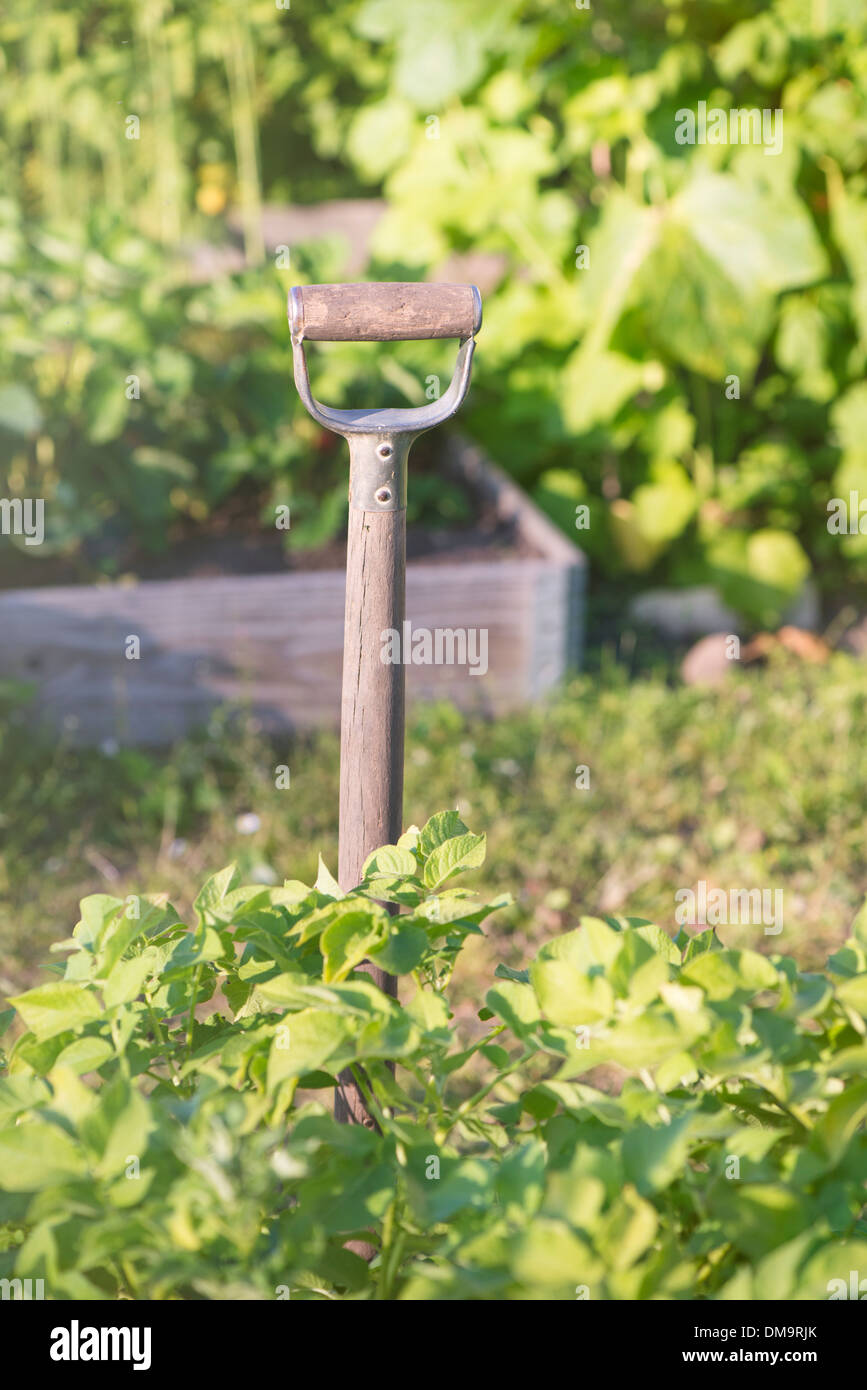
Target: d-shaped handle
(380,439)
(384,312)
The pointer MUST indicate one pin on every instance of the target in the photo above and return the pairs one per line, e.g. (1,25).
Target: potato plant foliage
(637,1117)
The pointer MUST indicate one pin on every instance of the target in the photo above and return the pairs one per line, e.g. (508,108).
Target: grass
(757,785)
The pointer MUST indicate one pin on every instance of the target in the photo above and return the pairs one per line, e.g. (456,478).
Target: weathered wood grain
(274,642)
(372,707)
(371,724)
(383,312)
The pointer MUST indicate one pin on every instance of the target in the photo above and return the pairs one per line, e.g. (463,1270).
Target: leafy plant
(138,402)
(637,1117)
(632,278)
(677,338)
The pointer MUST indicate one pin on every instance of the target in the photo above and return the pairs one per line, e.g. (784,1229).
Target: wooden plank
(556,588)
(273,641)
(556,598)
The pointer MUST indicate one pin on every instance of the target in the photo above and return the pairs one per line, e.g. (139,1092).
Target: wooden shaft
(372,722)
(384,312)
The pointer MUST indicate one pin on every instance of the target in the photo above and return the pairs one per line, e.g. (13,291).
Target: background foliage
(554,130)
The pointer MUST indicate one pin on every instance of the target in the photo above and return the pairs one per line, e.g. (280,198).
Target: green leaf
(639,971)
(19,1094)
(453,857)
(759,574)
(193,948)
(520,1182)
(593,946)
(833,1131)
(19,410)
(445,825)
(655,1155)
(853,993)
(665,504)
(430,1011)
(106,404)
(515,1003)
(629,1229)
(119,1128)
(85,1054)
(763,241)
(326,883)
(660,941)
(211,898)
(458,905)
(151,460)
(348,941)
(642,1042)
(440,49)
(567,996)
(51,1009)
(361,1200)
(731,974)
(594,387)
(760,1217)
(549,1255)
(29,1052)
(36,1155)
(97,911)
(125,929)
(390,862)
(127,979)
(505,972)
(390,1036)
(305,1042)
(380,136)
(403,949)
(463,1183)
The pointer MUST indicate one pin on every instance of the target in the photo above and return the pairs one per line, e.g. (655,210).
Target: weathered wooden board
(274,642)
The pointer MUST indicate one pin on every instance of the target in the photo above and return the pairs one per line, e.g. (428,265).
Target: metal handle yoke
(380,440)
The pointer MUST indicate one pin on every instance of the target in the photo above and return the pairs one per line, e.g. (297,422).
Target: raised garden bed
(267,631)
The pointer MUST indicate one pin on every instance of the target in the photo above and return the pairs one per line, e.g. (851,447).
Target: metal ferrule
(378,471)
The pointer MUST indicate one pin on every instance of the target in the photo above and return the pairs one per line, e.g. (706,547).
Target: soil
(233,541)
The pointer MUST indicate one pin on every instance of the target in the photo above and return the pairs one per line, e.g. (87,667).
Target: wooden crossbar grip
(384,312)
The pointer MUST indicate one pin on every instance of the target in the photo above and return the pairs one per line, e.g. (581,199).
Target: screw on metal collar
(378,471)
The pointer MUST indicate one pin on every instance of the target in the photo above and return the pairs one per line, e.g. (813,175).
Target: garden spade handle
(372,708)
(383,313)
